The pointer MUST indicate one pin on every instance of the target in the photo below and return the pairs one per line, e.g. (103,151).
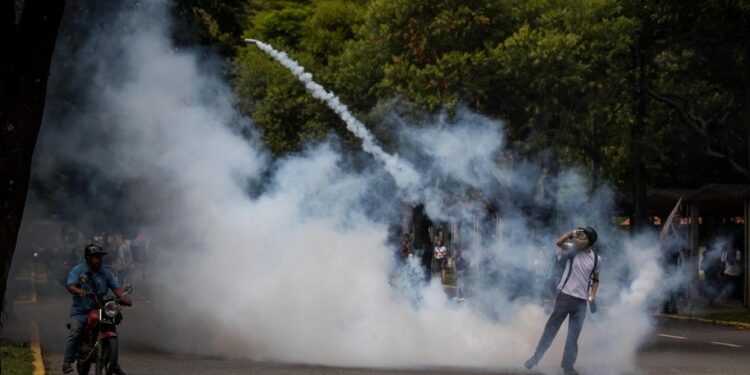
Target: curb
(726,323)
(36,350)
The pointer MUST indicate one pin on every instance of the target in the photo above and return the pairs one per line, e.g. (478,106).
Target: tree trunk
(746,110)
(27,48)
(639,219)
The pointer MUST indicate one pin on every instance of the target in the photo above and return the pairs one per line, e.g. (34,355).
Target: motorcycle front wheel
(106,359)
(83,367)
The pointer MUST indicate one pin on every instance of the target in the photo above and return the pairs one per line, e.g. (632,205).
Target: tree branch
(686,110)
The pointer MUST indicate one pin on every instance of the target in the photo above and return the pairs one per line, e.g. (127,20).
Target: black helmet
(93,249)
(591,233)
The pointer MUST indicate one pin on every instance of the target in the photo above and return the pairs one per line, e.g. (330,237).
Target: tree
(313,33)
(624,89)
(702,51)
(559,83)
(209,23)
(27,47)
(436,50)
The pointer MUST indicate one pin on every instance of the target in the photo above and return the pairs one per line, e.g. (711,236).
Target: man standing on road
(123,265)
(441,258)
(582,270)
(730,272)
(101,280)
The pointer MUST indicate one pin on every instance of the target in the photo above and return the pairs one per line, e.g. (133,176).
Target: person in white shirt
(730,271)
(441,258)
(581,271)
(124,263)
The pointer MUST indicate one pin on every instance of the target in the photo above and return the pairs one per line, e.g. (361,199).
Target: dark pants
(74,337)
(731,287)
(565,306)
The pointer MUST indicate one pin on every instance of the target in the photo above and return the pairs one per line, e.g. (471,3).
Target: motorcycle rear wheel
(106,359)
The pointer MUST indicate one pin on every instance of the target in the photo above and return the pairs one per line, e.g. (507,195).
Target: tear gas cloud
(302,271)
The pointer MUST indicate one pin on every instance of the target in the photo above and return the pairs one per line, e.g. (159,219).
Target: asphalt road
(681,347)
(677,347)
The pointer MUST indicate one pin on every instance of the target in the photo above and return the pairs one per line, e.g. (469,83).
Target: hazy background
(291,259)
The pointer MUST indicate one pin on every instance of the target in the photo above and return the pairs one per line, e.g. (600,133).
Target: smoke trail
(402,172)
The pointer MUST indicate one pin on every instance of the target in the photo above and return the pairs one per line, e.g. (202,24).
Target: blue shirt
(104,280)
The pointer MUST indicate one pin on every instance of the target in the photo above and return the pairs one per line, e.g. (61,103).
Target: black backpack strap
(596,261)
(570,271)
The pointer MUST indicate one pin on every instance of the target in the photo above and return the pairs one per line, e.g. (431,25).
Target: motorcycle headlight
(110,309)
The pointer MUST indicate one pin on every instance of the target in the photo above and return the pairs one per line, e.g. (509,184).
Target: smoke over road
(302,270)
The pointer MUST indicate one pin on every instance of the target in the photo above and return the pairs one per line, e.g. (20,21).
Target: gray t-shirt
(578,283)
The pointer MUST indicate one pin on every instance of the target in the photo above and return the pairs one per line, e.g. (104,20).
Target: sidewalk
(730,313)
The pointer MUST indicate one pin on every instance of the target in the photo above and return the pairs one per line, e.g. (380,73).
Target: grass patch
(740,316)
(16,360)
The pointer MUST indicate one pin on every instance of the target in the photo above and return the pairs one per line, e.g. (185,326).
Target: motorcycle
(99,340)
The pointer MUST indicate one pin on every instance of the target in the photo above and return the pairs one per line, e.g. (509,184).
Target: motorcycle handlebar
(99,301)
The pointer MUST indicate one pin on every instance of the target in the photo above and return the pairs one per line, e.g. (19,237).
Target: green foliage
(329,27)
(560,74)
(209,22)
(562,83)
(281,26)
(437,48)
(699,60)
(312,32)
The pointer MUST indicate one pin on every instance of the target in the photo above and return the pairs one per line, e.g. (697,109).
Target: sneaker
(531,362)
(570,371)
(67,367)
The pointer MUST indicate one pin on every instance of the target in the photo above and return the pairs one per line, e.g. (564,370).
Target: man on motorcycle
(101,281)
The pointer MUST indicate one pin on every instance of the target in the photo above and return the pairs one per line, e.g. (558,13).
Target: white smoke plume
(301,271)
(404,174)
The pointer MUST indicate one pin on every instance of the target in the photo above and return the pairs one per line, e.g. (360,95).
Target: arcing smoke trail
(407,179)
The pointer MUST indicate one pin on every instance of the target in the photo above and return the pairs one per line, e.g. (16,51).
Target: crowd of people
(128,256)
(439,259)
(451,264)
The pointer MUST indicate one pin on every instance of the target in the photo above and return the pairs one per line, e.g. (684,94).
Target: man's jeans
(564,305)
(74,337)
